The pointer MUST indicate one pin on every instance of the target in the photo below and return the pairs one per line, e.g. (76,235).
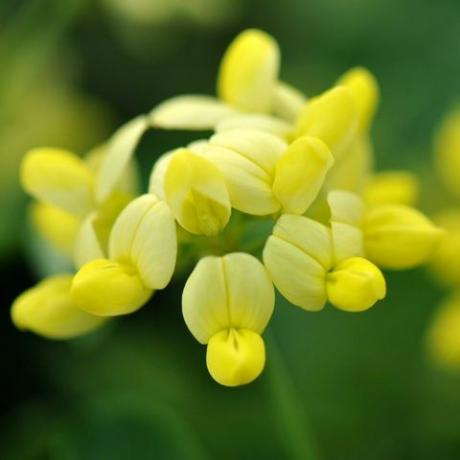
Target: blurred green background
(358,385)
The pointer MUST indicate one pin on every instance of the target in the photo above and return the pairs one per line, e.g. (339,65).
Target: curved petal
(87,246)
(249,71)
(288,102)
(121,149)
(259,122)
(60,178)
(191,112)
(157,176)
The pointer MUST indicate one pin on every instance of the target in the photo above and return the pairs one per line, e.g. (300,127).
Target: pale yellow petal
(157,176)
(300,173)
(249,71)
(296,274)
(262,149)
(197,194)
(58,177)
(331,116)
(288,102)
(121,149)
(249,186)
(190,113)
(48,310)
(105,287)
(365,91)
(235,357)
(346,207)
(265,123)
(58,227)
(144,235)
(87,245)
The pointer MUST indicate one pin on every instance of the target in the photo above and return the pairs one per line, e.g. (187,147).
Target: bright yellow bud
(56,226)
(355,285)
(48,310)
(249,71)
(331,116)
(443,338)
(235,356)
(60,178)
(399,237)
(300,173)
(196,192)
(391,187)
(108,288)
(365,91)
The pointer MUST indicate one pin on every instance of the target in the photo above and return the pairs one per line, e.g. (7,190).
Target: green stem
(293,425)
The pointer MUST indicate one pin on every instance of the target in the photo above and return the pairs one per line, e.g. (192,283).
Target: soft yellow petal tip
(355,285)
(391,187)
(249,71)
(443,338)
(196,191)
(399,237)
(108,288)
(235,357)
(48,310)
(365,90)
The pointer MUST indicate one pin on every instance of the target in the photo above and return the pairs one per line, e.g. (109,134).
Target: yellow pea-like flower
(235,356)
(249,71)
(56,226)
(399,237)
(447,152)
(443,338)
(197,194)
(141,258)
(445,261)
(355,285)
(391,187)
(365,91)
(227,303)
(107,288)
(300,173)
(48,310)
(333,117)
(60,178)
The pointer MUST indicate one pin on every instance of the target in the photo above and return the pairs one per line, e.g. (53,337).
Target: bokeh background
(359,386)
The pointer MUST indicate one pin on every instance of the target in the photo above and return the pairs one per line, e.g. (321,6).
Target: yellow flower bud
(399,237)
(60,178)
(365,91)
(249,71)
(235,356)
(108,288)
(355,285)
(195,190)
(443,339)
(391,187)
(445,262)
(300,173)
(48,310)
(331,116)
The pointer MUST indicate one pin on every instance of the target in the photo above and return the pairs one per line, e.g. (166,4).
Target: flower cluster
(303,166)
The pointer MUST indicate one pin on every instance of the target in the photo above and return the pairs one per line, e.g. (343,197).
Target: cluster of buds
(301,168)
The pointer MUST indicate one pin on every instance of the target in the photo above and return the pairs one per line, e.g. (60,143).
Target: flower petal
(121,149)
(157,176)
(60,178)
(265,123)
(87,246)
(288,102)
(249,71)
(192,112)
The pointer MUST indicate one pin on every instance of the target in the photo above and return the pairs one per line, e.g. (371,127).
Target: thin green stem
(290,415)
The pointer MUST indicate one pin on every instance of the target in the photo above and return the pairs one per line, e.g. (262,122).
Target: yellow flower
(195,190)
(227,303)
(141,258)
(391,187)
(48,310)
(300,260)
(391,236)
(443,338)
(248,82)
